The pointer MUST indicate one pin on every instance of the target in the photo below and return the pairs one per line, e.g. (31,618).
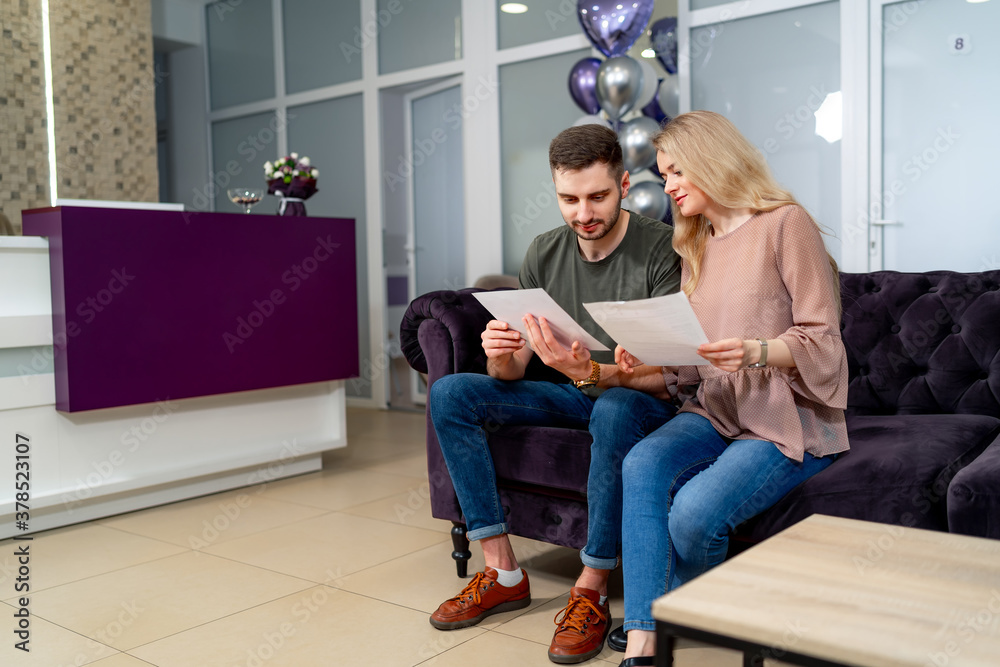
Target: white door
(935,135)
(436,236)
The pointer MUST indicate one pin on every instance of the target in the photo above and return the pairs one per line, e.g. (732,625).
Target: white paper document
(511,305)
(661,331)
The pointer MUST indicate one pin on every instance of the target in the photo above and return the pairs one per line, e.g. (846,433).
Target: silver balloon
(650,83)
(636,139)
(670,96)
(619,83)
(648,199)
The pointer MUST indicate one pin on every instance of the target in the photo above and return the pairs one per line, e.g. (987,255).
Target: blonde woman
(769,410)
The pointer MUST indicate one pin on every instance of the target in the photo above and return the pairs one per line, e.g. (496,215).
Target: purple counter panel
(156,305)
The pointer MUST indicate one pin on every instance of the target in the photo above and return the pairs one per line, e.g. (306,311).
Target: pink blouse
(771,278)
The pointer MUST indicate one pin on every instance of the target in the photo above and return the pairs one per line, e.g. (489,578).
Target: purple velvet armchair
(923,416)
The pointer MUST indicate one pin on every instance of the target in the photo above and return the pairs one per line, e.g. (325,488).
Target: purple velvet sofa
(923,416)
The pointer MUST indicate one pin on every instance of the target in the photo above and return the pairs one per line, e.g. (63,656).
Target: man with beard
(603,253)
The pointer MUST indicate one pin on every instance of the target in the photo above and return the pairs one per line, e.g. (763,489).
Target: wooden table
(831,591)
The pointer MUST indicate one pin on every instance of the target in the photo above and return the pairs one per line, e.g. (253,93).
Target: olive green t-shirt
(643,265)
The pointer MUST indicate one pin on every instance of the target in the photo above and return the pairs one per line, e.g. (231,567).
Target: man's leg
(621,418)
(465,408)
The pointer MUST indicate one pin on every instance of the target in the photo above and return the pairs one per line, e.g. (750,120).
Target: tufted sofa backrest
(922,343)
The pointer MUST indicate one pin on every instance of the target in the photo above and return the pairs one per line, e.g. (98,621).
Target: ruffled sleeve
(814,340)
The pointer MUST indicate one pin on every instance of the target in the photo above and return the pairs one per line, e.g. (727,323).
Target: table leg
(664,647)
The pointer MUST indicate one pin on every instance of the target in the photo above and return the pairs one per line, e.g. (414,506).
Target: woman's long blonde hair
(714,156)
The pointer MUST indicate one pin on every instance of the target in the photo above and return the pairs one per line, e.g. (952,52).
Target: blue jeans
(466,407)
(686,488)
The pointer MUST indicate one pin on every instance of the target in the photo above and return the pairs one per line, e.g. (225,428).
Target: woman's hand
(625,360)
(730,354)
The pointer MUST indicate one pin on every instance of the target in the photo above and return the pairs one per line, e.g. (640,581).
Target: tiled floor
(338,567)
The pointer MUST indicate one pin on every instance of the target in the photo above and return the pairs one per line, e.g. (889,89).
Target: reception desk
(188,353)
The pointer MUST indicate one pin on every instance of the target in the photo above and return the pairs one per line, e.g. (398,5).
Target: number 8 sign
(959,45)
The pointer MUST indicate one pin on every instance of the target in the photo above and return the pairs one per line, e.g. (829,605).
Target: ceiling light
(513,8)
(648,53)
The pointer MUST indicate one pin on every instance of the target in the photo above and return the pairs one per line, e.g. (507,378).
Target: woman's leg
(749,477)
(653,472)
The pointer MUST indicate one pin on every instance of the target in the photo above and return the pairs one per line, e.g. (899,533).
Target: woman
(768,412)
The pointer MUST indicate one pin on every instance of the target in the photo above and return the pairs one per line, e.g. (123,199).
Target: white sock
(508,578)
(603,601)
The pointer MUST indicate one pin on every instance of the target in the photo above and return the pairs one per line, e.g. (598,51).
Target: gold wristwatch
(592,379)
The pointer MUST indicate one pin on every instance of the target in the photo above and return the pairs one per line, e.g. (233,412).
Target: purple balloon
(583,85)
(653,109)
(663,36)
(612,26)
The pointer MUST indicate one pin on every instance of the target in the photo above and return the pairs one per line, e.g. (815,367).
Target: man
(603,253)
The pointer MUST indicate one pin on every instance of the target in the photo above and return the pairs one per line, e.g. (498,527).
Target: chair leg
(461,554)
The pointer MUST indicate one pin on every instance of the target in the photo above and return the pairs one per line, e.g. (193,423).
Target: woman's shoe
(638,661)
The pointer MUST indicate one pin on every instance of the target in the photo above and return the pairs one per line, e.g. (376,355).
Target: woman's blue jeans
(686,488)
(466,407)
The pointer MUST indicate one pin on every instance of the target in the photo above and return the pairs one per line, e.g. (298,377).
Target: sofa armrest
(440,333)
(974,496)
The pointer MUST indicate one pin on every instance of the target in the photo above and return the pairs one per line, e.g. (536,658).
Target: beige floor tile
(328,547)
(425,579)
(367,450)
(319,627)
(201,522)
(49,644)
(139,604)
(412,508)
(493,650)
(77,552)
(414,465)
(339,488)
(392,425)
(121,660)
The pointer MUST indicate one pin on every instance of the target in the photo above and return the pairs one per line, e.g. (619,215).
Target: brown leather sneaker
(581,631)
(480,598)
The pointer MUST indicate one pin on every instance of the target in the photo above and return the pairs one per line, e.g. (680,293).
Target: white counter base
(95,464)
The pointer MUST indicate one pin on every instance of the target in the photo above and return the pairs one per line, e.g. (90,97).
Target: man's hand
(499,339)
(730,354)
(574,362)
(625,360)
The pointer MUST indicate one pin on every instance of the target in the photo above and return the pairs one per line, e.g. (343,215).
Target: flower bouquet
(293,180)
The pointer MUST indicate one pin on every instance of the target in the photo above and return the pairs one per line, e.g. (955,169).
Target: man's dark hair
(580,147)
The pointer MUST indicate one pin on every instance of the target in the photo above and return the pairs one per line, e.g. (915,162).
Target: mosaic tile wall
(104,93)
(24,165)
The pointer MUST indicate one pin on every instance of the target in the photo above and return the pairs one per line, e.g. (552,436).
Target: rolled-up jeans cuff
(598,563)
(649,626)
(486,531)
